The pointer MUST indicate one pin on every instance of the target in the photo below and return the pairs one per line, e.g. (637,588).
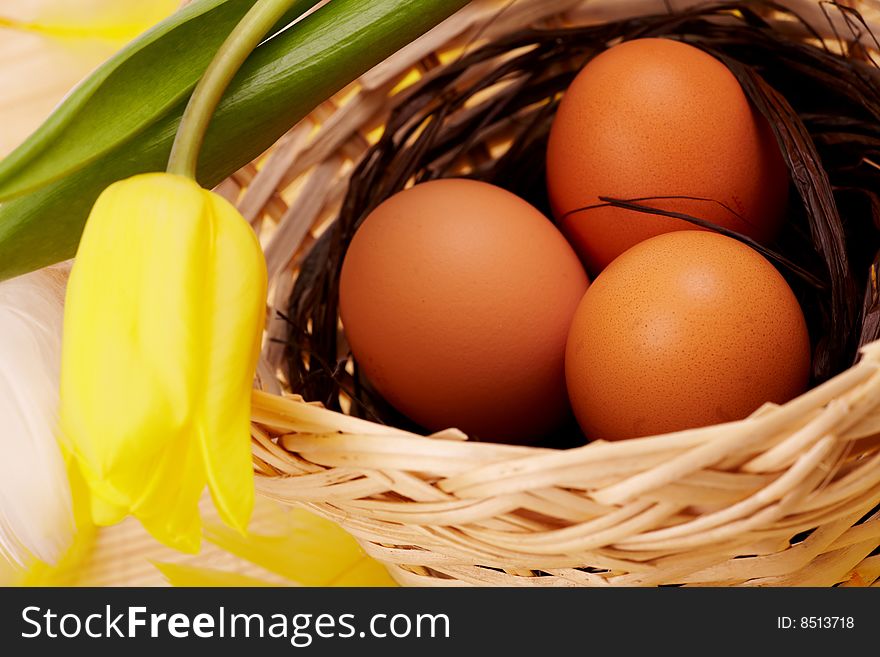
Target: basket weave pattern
(788,496)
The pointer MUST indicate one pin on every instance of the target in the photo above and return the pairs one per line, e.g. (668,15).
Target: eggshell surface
(456,298)
(652,118)
(684,330)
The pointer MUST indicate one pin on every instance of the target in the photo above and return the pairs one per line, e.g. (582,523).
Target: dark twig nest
(823,105)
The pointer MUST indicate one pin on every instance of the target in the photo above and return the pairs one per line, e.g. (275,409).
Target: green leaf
(128,92)
(282,81)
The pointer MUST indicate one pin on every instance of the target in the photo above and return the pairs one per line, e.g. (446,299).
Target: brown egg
(656,117)
(683,330)
(456,297)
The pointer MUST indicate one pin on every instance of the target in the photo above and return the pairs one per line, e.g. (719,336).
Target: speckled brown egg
(456,297)
(657,117)
(684,330)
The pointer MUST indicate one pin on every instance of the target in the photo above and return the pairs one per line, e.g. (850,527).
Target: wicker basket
(788,496)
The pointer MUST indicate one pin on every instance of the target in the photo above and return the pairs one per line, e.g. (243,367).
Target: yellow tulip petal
(130,328)
(305,549)
(103,511)
(238,308)
(169,509)
(181,575)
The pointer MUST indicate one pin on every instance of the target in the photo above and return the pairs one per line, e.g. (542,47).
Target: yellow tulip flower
(162,329)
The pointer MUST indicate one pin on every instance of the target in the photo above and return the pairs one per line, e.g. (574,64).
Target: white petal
(35,506)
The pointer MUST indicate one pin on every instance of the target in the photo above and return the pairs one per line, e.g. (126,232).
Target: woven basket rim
(453,444)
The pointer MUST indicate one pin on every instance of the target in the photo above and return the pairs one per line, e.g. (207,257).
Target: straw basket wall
(788,496)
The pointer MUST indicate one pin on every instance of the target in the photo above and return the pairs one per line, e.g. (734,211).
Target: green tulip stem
(230,56)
